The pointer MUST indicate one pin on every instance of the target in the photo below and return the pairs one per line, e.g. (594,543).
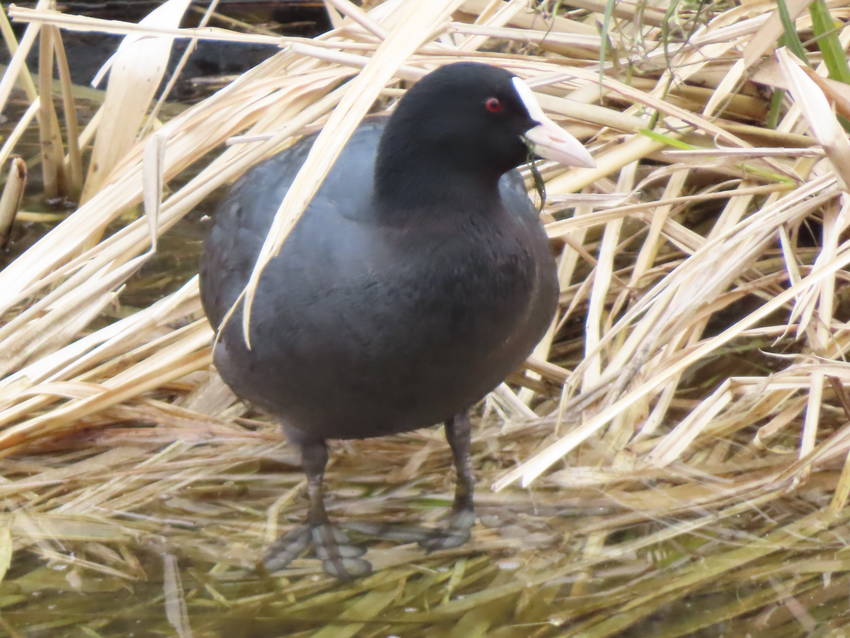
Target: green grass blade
(790,37)
(603,47)
(827,40)
(666,139)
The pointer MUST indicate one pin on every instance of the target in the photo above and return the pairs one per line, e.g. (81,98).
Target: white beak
(547,139)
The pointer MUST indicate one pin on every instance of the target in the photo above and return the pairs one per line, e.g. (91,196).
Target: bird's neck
(433,185)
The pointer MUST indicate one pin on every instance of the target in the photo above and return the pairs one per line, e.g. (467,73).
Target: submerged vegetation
(675,458)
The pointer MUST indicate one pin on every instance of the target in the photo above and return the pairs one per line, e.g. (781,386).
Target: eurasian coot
(417,279)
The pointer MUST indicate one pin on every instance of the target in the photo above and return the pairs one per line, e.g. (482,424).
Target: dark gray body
(363,326)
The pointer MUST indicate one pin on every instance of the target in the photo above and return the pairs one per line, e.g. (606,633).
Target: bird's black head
(463,122)
(466,116)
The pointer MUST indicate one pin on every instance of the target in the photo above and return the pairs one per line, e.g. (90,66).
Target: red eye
(493,104)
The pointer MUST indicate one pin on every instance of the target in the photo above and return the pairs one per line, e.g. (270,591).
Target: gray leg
(331,545)
(462,518)
(459,435)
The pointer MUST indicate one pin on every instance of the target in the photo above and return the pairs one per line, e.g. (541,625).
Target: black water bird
(416,280)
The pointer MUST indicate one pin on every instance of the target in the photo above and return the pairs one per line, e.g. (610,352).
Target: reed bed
(673,460)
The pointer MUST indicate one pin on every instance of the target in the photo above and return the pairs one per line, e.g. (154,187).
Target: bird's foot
(455,534)
(339,556)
